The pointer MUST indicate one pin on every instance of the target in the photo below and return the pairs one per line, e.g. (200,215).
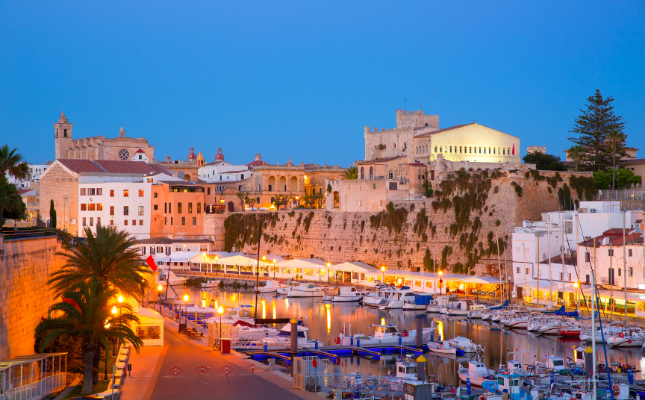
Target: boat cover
(561,311)
(500,307)
(423,299)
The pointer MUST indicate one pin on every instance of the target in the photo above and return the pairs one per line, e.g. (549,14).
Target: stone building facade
(25,297)
(178,210)
(96,147)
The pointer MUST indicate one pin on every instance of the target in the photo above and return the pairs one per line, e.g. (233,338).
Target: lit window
(199,208)
(155,195)
(99,207)
(126,193)
(140,192)
(112,193)
(91,207)
(178,208)
(83,207)
(190,208)
(140,210)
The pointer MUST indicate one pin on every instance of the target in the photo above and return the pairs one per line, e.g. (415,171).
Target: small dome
(219,156)
(192,155)
(258,157)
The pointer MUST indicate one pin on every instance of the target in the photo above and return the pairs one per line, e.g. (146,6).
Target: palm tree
(350,173)
(85,313)
(576,153)
(109,255)
(12,162)
(615,138)
(10,200)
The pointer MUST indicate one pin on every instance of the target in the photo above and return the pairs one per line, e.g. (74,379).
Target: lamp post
(114,311)
(383,271)
(575,293)
(186,302)
(440,282)
(159,289)
(220,311)
(274,269)
(107,357)
(328,276)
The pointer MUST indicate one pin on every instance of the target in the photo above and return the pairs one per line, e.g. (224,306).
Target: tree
(593,127)
(615,140)
(576,154)
(52,214)
(544,162)
(242,196)
(109,255)
(10,200)
(85,313)
(350,174)
(282,200)
(623,178)
(12,163)
(250,201)
(318,199)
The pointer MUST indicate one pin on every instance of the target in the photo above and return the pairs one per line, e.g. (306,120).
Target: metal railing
(28,233)
(627,194)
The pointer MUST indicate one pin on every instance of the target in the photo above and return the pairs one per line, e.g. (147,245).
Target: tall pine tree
(52,214)
(592,129)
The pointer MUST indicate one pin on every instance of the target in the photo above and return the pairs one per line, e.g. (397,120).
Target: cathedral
(99,147)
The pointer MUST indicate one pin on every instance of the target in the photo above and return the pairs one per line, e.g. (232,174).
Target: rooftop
(165,240)
(114,167)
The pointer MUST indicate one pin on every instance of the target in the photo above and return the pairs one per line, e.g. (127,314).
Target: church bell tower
(63,136)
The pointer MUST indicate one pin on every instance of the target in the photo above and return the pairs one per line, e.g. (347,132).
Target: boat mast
(625,264)
(537,256)
(562,255)
(548,239)
(499,267)
(593,321)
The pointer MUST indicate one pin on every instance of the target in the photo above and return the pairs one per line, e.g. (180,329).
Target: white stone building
(223,171)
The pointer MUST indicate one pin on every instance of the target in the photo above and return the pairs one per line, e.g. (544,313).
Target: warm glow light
(440,273)
(120,299)
(440,329)
(160,288)
(383,268)
(398,281)
(216,304)
(382,321)
(274,313)
(107,326)
(186,297)
(328,320)
(203,303)
(114,310)
(220,310)
(264,258)
(328,264)
(575,284)
(216,257)
(274,261)
(264,310)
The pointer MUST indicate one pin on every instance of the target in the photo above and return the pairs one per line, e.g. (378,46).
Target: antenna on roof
(419,102)
(434,95)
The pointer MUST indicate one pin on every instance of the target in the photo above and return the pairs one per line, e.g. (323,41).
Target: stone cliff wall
(24,295)
(456,229)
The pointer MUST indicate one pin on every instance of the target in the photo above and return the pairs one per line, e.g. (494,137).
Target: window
(194,220)
(111,192)
(140,210)
(84,221)
(91,207)
(99,192)
(155,195)
(99,207)
(91,191)
(112,222)
(126,193)
(518,270)
(629,252)
(141,222)
(125,222)
(155,207)
(91,221)
(140,192)
(611,252)
(199,208)
(630,272)
(170,207)
(171,219)
(83,207)
(527,271)
(83,192)
(242,176)
(190,208)
(111,210)
(587,257)
(619,270)
(165,207)
(208,191)
(134,222)
(126,210)
(165,221)
(178,208)
(183,220)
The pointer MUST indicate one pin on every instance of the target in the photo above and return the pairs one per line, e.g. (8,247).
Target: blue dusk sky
(301,79)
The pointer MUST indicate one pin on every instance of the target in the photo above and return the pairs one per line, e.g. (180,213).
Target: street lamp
(575,293)
(107,356)
(383,271)
(440,282)
(328,276)
(220,311)
(186,301)
(274,268)
(159,289)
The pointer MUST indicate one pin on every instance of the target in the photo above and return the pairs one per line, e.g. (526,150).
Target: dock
(334,353)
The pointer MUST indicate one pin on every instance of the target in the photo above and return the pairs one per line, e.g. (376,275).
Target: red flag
(513,149)
(72,302)
(151,262)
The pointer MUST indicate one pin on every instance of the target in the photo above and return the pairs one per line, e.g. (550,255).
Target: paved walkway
(152,379)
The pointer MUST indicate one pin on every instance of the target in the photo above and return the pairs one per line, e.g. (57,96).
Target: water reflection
(326,322)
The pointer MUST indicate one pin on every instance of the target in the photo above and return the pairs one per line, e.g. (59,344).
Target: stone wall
(401,242)
(214,228)
(24,295)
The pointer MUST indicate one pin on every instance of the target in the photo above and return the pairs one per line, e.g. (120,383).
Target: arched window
(493,150)
(362,174)
(435,149)
(459,149)
(498,150)
(440,149)
(503,151)
(480,150)
(489,150)
(450,151)
(371,173)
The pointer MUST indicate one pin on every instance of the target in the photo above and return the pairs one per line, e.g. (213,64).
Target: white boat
(476,372)
(442,347)
(305,290)
(383,334)
(211,283)
(398,298)
(174,279)
(458,308)
(477,311)
(518,322)
(627,338)
(245,331)
(232,315)
(433,307)
(271,286)
(283,339)
(550,328)
(343,294)
(465,344)
(379,297)
(418,302)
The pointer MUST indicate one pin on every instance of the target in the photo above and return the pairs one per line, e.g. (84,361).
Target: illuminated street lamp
(440,282)
(114,310)
(383,271)
(220,311)
(328,276)
(274,268)
(186,301)
(159,289)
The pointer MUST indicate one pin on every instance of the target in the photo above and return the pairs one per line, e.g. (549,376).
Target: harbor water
(326,321)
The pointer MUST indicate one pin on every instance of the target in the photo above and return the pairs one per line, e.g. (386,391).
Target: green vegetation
(391,218)
(518,188)
(623,178)
(52,215)
(544,162)
(350,173)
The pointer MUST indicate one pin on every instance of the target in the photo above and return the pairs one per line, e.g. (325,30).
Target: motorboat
(550,328)
(246,331)
(271,286)
(305,290)
(343,294)
(283,339)
(570,330)
(433,307)
(210,283)
(442,347)
(418,302)
(627,338)
(458,308)
(235,314)
(380,297)
(383,334)
(465,344)
(518,322)
(477,311)
(173,278)
(398,298)
(476,372)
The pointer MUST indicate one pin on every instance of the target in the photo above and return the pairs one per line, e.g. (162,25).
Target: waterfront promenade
(152,379)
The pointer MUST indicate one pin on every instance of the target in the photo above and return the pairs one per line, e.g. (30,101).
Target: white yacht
(477,311)
(271,286)
(442,347)
(433,307)
(476,372)
(305,290)
(627,338)
(465,344)
(398,298)
(347,294)
(384,334)
(380,297)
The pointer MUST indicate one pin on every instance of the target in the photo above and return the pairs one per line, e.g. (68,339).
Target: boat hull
(474,380)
